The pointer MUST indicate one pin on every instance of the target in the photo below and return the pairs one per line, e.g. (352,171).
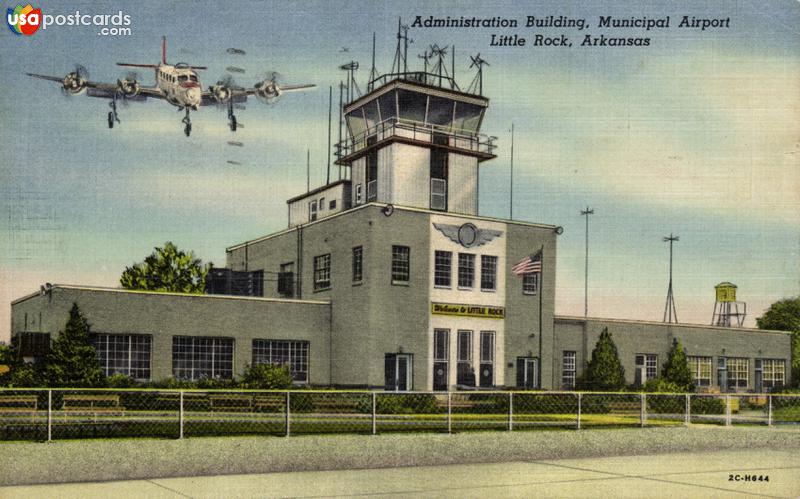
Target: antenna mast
(670,314)
(373,74)
(477,83)
(401,53)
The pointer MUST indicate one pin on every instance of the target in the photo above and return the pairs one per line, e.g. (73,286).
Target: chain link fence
(44,414)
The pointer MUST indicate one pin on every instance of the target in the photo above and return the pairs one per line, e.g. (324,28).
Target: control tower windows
(413,105)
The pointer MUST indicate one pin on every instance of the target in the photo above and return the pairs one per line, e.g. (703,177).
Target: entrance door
(527,372)
(398,372)
(440,376)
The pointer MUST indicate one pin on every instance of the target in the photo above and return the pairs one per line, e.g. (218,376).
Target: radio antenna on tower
(477,83)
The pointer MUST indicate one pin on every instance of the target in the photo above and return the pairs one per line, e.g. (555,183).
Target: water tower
(727,311)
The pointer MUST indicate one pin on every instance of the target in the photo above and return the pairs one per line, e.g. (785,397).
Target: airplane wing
(106,90)
(295,88)
(238,95)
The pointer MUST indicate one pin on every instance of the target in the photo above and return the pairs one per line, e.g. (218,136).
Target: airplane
(178,84)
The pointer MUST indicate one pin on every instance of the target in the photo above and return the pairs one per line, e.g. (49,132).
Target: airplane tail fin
(163,50)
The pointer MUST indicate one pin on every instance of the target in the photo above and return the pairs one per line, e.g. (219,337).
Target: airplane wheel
(233,123)
(110,119)
(188,130)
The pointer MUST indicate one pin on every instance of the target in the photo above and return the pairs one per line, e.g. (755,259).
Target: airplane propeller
(75,82)
(268,90)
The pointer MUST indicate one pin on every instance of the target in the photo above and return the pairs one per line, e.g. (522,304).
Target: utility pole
(511,178)
(670,314)
(588,211)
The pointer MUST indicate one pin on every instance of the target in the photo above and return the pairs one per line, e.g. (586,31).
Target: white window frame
(568,368)
(322,272)
(698,364)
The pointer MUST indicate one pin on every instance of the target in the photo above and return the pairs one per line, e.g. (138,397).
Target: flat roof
(318,190)
(396,207)
(168,293)
(574,318)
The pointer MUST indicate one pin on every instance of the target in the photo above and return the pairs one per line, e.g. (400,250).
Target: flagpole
(541,292)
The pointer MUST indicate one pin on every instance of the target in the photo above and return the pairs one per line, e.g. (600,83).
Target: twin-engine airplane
(177,84)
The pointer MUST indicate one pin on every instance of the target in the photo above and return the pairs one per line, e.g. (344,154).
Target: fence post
(181,416)
(727,410)
(510,411)
(374,413)
(688,414)
(643,410)
(49,415)
(578,420)
(769,410)
(288,413)
(449,413)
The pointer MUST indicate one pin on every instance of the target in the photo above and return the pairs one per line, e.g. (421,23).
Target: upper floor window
(359,194)
(488,273)
(401,264)
(358,264)
(312,211)
(442,269)
(466,270)
(322,272)
(530,283)
(286,280)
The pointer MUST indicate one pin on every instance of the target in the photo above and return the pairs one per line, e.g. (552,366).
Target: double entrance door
(398,372)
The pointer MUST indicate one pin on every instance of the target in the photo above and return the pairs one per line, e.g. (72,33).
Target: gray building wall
(164,315)
(640,337)
(523,331)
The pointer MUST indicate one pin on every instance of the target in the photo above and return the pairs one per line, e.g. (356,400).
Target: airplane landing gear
(187,129)
(232,123)
(112,115)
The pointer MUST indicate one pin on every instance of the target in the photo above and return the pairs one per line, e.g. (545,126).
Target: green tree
(167,269)
(267,377)
(784,315)
(676,368)
(605,371)
(73,360)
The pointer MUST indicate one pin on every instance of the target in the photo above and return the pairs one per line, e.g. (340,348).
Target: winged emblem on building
(467,235)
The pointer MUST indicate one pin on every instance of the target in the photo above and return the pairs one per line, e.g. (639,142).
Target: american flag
(531,264)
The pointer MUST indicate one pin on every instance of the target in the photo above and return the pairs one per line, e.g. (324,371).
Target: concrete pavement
(696,474)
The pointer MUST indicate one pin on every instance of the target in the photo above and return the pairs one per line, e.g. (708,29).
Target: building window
(568,369)
(359,194)
(312,211)
(647,365)
(466,270)
(737,372)
(32,344)
(198,357)
(701,370)
(530,283)
(773,372)
(443,263)
(286,280)
(321,204)
(332,204)
(401,265)
(358,264)
(293,354)
(127,354)
(465,375)
(488,273)
(322,272)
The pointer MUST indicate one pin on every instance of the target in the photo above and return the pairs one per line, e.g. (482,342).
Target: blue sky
(695,135)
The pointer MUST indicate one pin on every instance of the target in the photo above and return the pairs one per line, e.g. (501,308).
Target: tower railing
(457,138)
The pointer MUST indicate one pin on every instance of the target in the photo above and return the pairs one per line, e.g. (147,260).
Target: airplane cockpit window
(183,78)
(193,77)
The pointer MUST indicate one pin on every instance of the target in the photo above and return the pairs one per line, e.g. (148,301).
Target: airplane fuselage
(180,85)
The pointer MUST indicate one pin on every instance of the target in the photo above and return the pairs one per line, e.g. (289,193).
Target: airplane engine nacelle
(220,92)
(268,90)
(74,83)
(128,88)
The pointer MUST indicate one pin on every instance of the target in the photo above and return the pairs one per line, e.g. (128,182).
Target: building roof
(396,207)
(573,318)
(181,295)
(317,190)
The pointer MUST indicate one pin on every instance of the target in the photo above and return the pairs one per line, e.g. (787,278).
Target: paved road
(692,475)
